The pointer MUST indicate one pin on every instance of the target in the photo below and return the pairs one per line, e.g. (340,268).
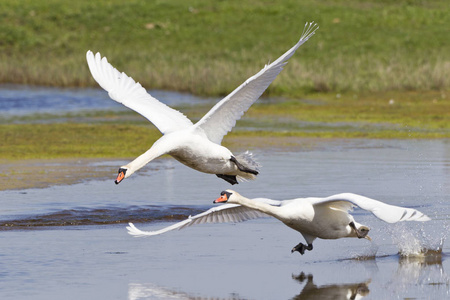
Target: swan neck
(260,206)
(143,159)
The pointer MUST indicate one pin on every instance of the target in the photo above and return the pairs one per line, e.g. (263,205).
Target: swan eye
(225,196)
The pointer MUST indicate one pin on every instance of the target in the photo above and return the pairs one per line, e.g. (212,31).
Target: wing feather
(223,116)
(125,90)
(220,214)
(386,212)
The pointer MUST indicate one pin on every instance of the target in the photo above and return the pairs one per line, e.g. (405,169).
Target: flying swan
(325,218)
(195,145)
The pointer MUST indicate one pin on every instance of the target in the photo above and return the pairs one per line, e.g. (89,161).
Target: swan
(195,145)
(325,218)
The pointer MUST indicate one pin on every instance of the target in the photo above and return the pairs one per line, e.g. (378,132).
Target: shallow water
(19,100)
(70,241)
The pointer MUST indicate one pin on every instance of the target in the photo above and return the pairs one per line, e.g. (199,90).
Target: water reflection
(383,277)
(423,270)
(333,291)
(138,291)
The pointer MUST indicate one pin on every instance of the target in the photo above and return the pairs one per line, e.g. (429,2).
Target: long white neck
(144,159)
(260,206)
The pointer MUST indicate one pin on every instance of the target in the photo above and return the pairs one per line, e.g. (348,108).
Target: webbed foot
(302,248)
(228,178)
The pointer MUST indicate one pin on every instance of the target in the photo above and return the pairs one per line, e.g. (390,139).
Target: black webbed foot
(228,178)
(301,248)
(242,168)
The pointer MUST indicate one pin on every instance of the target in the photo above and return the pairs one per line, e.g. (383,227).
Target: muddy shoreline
(42,173)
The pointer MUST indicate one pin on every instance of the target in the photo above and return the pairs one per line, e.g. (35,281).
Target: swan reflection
(383,277)
(332,291)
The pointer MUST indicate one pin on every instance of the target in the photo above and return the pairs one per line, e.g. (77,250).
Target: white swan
(195,145)
(325,218)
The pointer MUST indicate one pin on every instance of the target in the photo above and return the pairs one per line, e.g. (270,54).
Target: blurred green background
(210,47)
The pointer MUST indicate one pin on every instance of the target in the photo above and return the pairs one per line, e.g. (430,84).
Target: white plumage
(313,217)
(195,145)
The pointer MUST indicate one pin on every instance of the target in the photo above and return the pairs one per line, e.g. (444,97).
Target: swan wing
(123,89)
(219,214)
(386,212)
(223,116)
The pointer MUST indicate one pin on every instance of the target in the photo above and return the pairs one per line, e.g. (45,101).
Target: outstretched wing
(220,214)
(223,116)
(125,90)
(386,212)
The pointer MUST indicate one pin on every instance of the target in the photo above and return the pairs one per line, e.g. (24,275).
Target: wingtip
(309,30)
(132,230)
(425,218)
(89,55)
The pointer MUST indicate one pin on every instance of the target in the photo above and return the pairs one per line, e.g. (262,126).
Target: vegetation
(106,134)
(377,69)
(209,48)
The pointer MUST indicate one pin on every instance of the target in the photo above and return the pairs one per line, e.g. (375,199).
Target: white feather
(220,214)
(197,146)
(325,218)
(223,116)
(386,212)
(125,90)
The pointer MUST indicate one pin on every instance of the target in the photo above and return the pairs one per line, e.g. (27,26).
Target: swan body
(325,218)
(195,145)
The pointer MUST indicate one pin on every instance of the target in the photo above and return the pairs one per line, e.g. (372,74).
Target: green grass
(209,48)
(107,134)
(68,140)
(365,54)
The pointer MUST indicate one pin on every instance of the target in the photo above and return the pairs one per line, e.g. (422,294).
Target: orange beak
(222,198)
(120,177)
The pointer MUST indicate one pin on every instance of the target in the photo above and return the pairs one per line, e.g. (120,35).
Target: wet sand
(33,173)
(42,173)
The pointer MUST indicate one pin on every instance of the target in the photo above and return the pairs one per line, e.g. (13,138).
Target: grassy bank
(113,135)
(209,48)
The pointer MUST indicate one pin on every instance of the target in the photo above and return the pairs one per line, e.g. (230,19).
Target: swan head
(364,230)
(227,196)
(122,174)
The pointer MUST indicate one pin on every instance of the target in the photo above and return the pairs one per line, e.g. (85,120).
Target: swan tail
(247,161)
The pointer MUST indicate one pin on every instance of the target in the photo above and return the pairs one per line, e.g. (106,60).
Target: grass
(209,48)
(376,69)
(107,134)
(29,141)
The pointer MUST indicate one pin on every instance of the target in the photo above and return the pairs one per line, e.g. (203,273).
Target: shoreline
(43,173)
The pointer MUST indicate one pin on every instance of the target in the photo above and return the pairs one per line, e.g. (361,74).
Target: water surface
(70,241)
(19,100)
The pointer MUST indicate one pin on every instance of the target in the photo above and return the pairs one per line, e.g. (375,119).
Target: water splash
(367,253)
(414,241)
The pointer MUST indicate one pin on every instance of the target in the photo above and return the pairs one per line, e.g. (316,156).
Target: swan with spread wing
(198,145)
(325,218)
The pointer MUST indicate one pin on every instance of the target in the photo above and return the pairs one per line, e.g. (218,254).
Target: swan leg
(361,232)
(228,178)
(243,168)
(301,248)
